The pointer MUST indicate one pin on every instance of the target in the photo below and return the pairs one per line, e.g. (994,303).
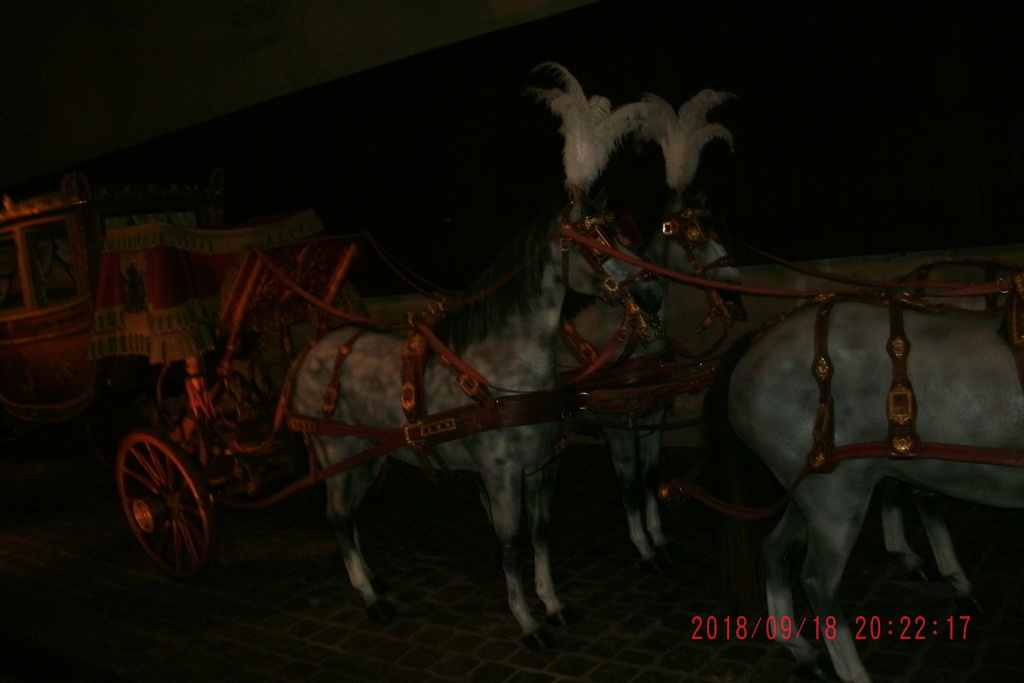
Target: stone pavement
(81,602)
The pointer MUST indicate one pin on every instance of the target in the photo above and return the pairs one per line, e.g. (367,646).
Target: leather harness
(424,430)
(635,385)
(901,441)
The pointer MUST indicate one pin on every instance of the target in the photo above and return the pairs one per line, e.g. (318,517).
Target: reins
(1001,285)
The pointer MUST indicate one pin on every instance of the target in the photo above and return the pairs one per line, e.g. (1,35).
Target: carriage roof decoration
(591,127)
(683,135)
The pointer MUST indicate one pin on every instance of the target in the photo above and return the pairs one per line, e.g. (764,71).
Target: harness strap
(470,380)
(641,397)
(1015,324)
(448,425)
(581,349)
(824,427)
(900,406)
(902,440)
(586,353)
(413,399)
(674,493)
(330,400)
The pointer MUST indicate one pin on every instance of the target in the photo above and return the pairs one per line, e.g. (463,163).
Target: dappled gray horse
(509,337)
(685,241)
(496,349)
(900,380)
(686,244)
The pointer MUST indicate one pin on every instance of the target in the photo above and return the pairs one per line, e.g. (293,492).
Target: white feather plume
(591,127)
(683,134)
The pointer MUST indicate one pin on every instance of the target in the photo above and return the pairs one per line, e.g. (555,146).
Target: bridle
(691,228)
(605,228)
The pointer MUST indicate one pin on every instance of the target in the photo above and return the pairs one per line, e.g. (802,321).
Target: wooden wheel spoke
(158,481)
(186,534)
(142,478)
(146,459)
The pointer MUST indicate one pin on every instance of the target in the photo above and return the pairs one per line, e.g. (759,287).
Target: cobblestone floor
(81,602)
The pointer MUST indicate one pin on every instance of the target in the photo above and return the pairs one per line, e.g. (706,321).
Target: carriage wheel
(167,507)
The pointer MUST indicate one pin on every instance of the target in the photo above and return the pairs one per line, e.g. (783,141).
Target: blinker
(689,226)
(598,227)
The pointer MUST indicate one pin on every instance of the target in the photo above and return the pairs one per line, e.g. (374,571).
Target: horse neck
(518,352)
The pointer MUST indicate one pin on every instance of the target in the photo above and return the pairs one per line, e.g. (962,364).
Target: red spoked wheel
(168,508)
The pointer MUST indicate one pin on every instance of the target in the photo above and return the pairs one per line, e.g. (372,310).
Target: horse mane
(509,286)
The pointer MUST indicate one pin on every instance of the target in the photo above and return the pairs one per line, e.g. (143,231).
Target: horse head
(592,129)
(682,136)
(598,273)
(689,239)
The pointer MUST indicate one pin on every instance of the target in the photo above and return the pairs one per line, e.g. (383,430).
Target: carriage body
(216,435)
(46,308)
(50,266)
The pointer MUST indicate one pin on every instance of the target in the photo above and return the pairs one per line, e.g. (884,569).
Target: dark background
(858,130)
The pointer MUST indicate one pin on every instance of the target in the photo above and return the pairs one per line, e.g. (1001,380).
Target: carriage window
(10,281)
(51,263)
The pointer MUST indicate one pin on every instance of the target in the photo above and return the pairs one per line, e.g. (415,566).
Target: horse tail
(737,476)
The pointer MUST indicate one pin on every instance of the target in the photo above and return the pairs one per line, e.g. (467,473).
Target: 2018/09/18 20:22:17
(910,628)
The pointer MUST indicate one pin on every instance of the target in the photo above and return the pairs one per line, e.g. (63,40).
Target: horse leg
(929,508)
(504,490)
(344,493)
(891,502)
(830,537)
(539,492)
(624,449)
(649,450)
(777,547)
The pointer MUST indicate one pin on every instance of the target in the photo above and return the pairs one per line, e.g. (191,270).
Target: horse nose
(734,302)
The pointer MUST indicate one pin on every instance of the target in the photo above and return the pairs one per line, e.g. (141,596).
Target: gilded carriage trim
(205,241)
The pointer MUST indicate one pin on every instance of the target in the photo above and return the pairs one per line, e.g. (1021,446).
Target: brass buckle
(900,404)
(330,401)
(301,424)
(468,384)
(429,429)
(408,396)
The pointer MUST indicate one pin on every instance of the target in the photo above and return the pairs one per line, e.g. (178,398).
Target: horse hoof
(654,565)
(540,640)
(566,616)
(969,605)
(381,612)
(819,670)
(924,573)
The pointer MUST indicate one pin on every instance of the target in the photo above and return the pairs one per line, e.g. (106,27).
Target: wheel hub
(147,513)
